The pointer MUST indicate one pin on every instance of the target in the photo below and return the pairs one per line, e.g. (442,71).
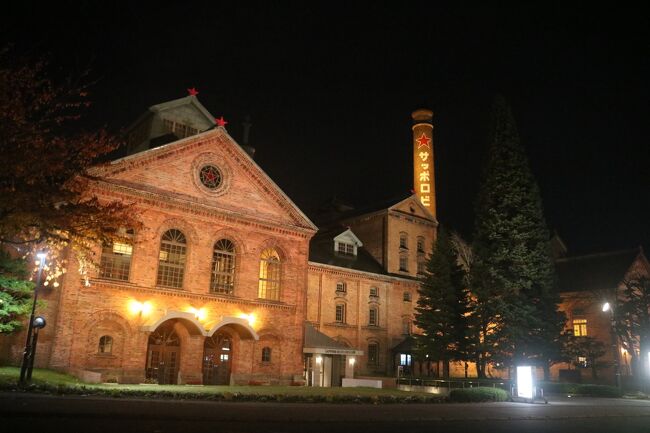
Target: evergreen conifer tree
(513,272)
(440,309)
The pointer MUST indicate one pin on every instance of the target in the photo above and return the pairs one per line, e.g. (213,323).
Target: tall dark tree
(513,272)
(632,320)
(45,197)
(439,312)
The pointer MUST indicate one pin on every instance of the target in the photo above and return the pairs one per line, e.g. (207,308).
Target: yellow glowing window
(121,248)
(269,282)
(580,327)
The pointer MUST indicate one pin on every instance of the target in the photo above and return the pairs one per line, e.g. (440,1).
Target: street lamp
(617,357)
(29,353)
(38,324)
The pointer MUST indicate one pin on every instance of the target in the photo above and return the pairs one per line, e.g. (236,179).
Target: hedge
(479,394)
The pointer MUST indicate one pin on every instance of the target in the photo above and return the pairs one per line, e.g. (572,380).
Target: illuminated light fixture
(199,313)
(525,382)
(319,360)
(352,361)
(41,255)
(142,308)
(606,307)
(250,318)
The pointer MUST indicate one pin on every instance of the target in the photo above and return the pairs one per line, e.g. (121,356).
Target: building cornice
(336,270)
(130,287)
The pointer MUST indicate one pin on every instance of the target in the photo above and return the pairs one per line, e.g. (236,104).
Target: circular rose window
(210,176)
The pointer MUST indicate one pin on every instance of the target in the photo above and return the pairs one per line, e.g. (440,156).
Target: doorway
(163,355)
(217,359)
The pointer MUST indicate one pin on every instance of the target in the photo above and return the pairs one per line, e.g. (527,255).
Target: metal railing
(455,383)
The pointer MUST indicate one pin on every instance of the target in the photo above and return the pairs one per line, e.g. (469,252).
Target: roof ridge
(602,254)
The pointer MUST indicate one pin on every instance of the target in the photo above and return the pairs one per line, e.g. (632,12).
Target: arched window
(105,344)
(115,263)
(420,244)
(269,287)
(266,354)
(373,354)
(171,260)
(373,316)
(403,240)
(223,267)
(406,297)
(403,262)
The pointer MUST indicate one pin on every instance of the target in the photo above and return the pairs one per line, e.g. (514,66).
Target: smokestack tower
(424,183)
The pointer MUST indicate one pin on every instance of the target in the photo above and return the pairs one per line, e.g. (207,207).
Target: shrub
(470,395)
(558,387)
(598,391)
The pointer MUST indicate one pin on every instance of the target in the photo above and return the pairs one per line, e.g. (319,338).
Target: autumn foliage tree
(44,183)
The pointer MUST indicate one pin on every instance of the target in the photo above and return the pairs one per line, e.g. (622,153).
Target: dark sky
(330,89)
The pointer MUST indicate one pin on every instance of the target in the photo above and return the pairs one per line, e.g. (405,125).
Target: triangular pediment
(349,237)
(412,206)
(231,183)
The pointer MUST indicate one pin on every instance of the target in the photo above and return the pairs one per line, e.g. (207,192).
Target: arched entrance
(217,358)
(163,355)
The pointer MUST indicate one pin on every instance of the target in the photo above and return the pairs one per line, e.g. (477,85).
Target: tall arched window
(373,316)
(266,354)
(171,260)
(105,344)
(223,267)
(373,353)
(269,286)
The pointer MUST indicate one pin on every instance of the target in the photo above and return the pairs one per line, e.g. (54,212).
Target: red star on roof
(193,91)
(220,121)
(423,141)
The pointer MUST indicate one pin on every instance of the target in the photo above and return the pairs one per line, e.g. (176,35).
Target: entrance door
(217,357)
(163,355)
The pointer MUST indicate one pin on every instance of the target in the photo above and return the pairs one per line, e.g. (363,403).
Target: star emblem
(423,141)
(220,121)
(192,91)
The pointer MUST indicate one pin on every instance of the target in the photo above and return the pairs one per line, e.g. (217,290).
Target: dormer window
(179,129)
(344,248)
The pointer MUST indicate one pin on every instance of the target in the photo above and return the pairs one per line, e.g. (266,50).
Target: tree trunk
(445,368)
(466,368)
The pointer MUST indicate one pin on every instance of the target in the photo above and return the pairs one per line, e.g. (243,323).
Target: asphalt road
(42,413)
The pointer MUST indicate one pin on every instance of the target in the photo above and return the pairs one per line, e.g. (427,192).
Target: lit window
(340,313)
(171,260)
(406,297)
(373,317)
(115,263)
(420,244)
(374,291)
(404,359)
(580,327)
(269,286)
(105,344)
(223,267)
(403,263)
(341,287)
(373,354)
(403,240)
(347,249)
(582,361)
(266,354)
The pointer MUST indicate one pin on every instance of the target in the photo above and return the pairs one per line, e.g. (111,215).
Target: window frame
(267,354)
(223,282)
(105,340)
(579,324)
(373,321)
(116,260)
(373,360)
(169,271)
(270,260)
(340,313)
(341,287)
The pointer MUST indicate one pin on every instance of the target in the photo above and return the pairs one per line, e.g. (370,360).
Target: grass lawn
(63,382)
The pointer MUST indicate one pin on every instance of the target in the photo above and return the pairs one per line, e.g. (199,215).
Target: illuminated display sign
(525,382)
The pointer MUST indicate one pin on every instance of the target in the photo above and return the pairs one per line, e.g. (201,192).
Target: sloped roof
(336,211)
(321,250)
(314,338)
(594,271)
(407,345)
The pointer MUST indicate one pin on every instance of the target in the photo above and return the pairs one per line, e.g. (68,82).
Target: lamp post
(38,324)
(28,353)
(617,356)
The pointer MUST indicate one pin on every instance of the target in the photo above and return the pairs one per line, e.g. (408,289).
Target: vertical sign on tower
(423,171)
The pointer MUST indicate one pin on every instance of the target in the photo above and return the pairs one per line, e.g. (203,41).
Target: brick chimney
(424,183)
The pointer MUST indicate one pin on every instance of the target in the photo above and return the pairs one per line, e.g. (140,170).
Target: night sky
(330,89)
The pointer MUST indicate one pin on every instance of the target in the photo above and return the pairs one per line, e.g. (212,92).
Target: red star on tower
(193,91)
(220,121)
(423,141)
